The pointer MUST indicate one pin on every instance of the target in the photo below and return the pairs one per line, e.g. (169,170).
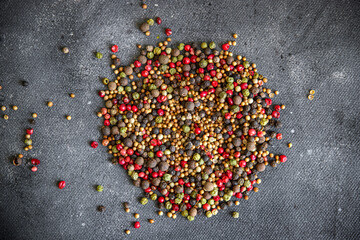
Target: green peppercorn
(226,197)
(157,51)
(134,175)
(150,22)
(186,128)
(203,63)
(212,45)
(144,201)
(105,81)
(246,64)
(150,55)
(235,215)
(120,88)
(190,218)
(128,89)
(136,95)
(28,142)
(150,154)
(153,196)
(246,92)
(264,121)
(185,213)
(208,214)
(172,71)
(168,205)
(181,46)
(203,201)
(122,75)
(247,183)
(158,119)
(214,192)
(211,201)
(98,55)
(203,45)
(167,177)
(244,80)
(99,188)
(196,156)
(177,200)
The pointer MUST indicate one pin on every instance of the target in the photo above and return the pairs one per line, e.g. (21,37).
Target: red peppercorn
(225,46)
(238,195)
(181,181)
(101,93)
(160,112)
(145,73)
(279,136)
(186,60)
(94,144)
(197,130)
(34,169)
(252,132)
(134,108)
(161,199)
(137,225)
(227,115)
(137,64)
(242,163)
(159,154)
(268,101)
(277,108)
(283,158)
(158,20)
(187,47)
(30,131)
(61,184)
(106,122)
(206,206)
(168,32)
(35,161)
(114,48)
(220,150)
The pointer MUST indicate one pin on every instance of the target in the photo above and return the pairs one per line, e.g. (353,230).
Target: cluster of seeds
(191,125)
(311,94)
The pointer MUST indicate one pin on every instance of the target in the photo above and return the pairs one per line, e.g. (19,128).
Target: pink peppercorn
(94,144)
(62,184)
(137,225)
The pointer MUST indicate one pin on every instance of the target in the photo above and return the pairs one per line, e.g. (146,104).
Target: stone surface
(298,45)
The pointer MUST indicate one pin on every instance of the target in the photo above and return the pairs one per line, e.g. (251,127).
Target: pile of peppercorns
(191,125)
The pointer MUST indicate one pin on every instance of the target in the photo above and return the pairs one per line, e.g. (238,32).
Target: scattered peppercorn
(72,95)
(94,144)
(312,92)
(235,215)
(98,55)
(34,169)
(3,108)
(127,231)
(311,97)
(136,215)
(137,225)
(144,6)
(158,20)
(101,208)
(34,115)
(99,188)
(151,221)
(289,145)
(6,117)
(50,104)
(235,35)
(65,50)
(68,117)
(15,108)
(61,184)
(17,161)
(25,83)
(168,32)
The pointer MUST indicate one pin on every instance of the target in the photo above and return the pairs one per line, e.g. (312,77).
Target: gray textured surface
(298,45)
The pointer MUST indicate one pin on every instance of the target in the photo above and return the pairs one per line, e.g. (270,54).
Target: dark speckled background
(298,45)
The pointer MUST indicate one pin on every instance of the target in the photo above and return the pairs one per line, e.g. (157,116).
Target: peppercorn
(151,221)
(144,201)
(144,27)
(144,6)
(98,55)
(50,104)
(17,161)
(15,108)
(3,108)
(65,50)
(6,117)
(127,231)
(68,117)
(235,215)
(101,208)
(99,188)
(72,95)
(34,115)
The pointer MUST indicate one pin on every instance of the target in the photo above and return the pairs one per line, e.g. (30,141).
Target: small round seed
(160,213)
(15,108)
(6,117)
(127,231)
(65,50)
(50,104)
(72,95)
(34,115)
(136,215)
(127,210)
(151,221)
(289,145)
(144,6)
(311,97)
(68,117)
(235,35)
(3,108)
(312,91)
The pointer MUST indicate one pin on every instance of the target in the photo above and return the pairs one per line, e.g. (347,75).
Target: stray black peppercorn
(25,83)
(101,208)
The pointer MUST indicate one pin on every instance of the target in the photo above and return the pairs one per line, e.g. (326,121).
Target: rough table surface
(298,45)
